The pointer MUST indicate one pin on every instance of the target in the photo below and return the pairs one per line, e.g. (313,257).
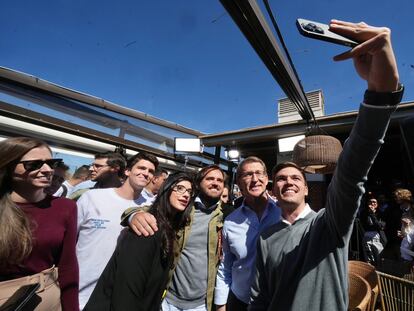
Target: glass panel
(89,116)
(99,119)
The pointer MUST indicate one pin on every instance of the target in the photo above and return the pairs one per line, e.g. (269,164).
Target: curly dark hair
(169,221)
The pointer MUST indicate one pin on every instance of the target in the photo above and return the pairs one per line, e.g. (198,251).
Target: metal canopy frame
(249,18)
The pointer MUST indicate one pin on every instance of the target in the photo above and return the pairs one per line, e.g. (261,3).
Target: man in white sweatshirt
(99,211)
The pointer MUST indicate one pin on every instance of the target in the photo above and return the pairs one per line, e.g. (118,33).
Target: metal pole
(217,155)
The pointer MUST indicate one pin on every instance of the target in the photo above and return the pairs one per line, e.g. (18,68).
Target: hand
(221,308)
(143,223)
(373,58)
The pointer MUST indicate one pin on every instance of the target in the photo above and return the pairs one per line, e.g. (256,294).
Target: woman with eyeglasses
(37,231)
(374,237)
(137,274)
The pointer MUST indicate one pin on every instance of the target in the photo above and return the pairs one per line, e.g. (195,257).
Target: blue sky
(185,60)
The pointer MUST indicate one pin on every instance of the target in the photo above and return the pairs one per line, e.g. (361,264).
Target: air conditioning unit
(287,111)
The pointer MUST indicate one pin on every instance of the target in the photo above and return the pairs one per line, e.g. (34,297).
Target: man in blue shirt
(240,232)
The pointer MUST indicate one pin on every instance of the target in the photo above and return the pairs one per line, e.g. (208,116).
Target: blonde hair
(403,195)
(15,227)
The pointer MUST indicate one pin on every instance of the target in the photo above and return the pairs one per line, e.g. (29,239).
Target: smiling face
(140,174)
(39,178)
(290,188)
(212,185)
(181,195)
(372,204)
(253,180)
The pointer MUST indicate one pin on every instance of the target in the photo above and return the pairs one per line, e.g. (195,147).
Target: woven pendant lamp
(317,154)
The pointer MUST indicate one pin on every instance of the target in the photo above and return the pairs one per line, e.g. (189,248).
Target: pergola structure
(263,141)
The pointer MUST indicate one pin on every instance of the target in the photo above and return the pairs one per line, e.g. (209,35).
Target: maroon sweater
(54,243)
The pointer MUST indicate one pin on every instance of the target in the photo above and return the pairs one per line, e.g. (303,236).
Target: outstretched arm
(375,62)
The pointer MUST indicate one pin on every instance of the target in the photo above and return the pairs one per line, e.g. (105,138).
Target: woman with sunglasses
(137,273)
(37,231)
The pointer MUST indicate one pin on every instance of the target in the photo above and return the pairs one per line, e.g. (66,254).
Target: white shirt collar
(303,214)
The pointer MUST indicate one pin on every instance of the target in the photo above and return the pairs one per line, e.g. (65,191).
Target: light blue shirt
(84,185)
(240,232)
(148,196)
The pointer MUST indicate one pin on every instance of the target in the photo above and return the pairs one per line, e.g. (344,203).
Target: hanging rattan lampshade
(317,153)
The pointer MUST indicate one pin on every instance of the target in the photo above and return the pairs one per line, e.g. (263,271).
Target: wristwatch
(384,98)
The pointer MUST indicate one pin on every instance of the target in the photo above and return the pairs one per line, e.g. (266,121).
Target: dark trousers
(234,304)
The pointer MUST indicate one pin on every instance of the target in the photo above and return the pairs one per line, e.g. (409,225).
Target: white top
(303,214)
(99,217)
(87,184)
(68,186)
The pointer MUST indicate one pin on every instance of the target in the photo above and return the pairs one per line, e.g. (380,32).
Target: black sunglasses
(32,165)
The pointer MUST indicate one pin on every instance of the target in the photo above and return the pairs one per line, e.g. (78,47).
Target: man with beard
(194,276)
(241,229)
(106,171)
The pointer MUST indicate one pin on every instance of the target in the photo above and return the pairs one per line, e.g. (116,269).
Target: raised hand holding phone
(373,58)
(371,51)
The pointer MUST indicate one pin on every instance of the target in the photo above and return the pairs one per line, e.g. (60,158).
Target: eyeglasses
(98,166)
(181,190)
(249,175)
(32,165)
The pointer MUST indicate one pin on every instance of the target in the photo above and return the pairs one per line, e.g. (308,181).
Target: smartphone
(20,299)
(321,31)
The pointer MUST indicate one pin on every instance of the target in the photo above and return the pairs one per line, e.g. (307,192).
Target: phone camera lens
(312,27)
(318,29)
